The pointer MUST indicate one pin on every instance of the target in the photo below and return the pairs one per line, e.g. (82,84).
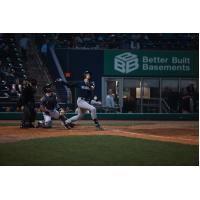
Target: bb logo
(126,62)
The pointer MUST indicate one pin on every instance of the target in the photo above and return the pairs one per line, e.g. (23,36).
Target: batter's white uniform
(83,107)
(84,96)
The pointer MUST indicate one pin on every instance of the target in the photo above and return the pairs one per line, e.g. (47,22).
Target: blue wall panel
(78,61)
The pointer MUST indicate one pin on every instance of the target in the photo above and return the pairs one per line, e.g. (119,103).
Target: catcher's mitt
(47,112)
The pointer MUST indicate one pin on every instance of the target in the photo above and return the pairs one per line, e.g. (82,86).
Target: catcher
(50,109)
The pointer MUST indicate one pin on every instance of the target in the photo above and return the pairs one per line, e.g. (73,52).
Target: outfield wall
(115,116)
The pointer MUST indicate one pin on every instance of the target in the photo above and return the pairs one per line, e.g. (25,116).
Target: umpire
(27,101)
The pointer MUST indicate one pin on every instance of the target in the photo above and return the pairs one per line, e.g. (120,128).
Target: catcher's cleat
(31,126)
(39,125)
(23,126)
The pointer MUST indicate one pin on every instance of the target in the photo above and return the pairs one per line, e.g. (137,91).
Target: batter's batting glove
(58,80)
(92,85)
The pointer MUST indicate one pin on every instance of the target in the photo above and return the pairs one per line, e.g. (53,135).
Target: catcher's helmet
(47,88)
(33,82)
(87,72)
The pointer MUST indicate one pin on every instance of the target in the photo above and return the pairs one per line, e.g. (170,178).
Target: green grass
(9,124)
(97,150)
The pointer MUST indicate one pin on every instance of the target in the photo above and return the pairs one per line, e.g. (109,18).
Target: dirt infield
(185,132)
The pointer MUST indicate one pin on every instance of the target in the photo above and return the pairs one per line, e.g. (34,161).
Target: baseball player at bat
(85,94)
(50,109)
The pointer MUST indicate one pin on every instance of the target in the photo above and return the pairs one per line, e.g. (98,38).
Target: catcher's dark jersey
(49,102)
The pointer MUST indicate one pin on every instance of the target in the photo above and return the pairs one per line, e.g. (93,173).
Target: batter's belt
(82,98)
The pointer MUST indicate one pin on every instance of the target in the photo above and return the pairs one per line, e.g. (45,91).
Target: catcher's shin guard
(42,124)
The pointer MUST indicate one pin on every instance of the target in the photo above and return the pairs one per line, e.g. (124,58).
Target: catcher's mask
(47,88)
(33,82)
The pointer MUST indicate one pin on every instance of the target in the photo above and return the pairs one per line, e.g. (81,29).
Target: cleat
(23,126)
(99,128)
(67,126)
(39,125)
(71,125)
(31,126)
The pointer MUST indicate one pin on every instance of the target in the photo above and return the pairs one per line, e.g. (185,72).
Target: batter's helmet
(87,72)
